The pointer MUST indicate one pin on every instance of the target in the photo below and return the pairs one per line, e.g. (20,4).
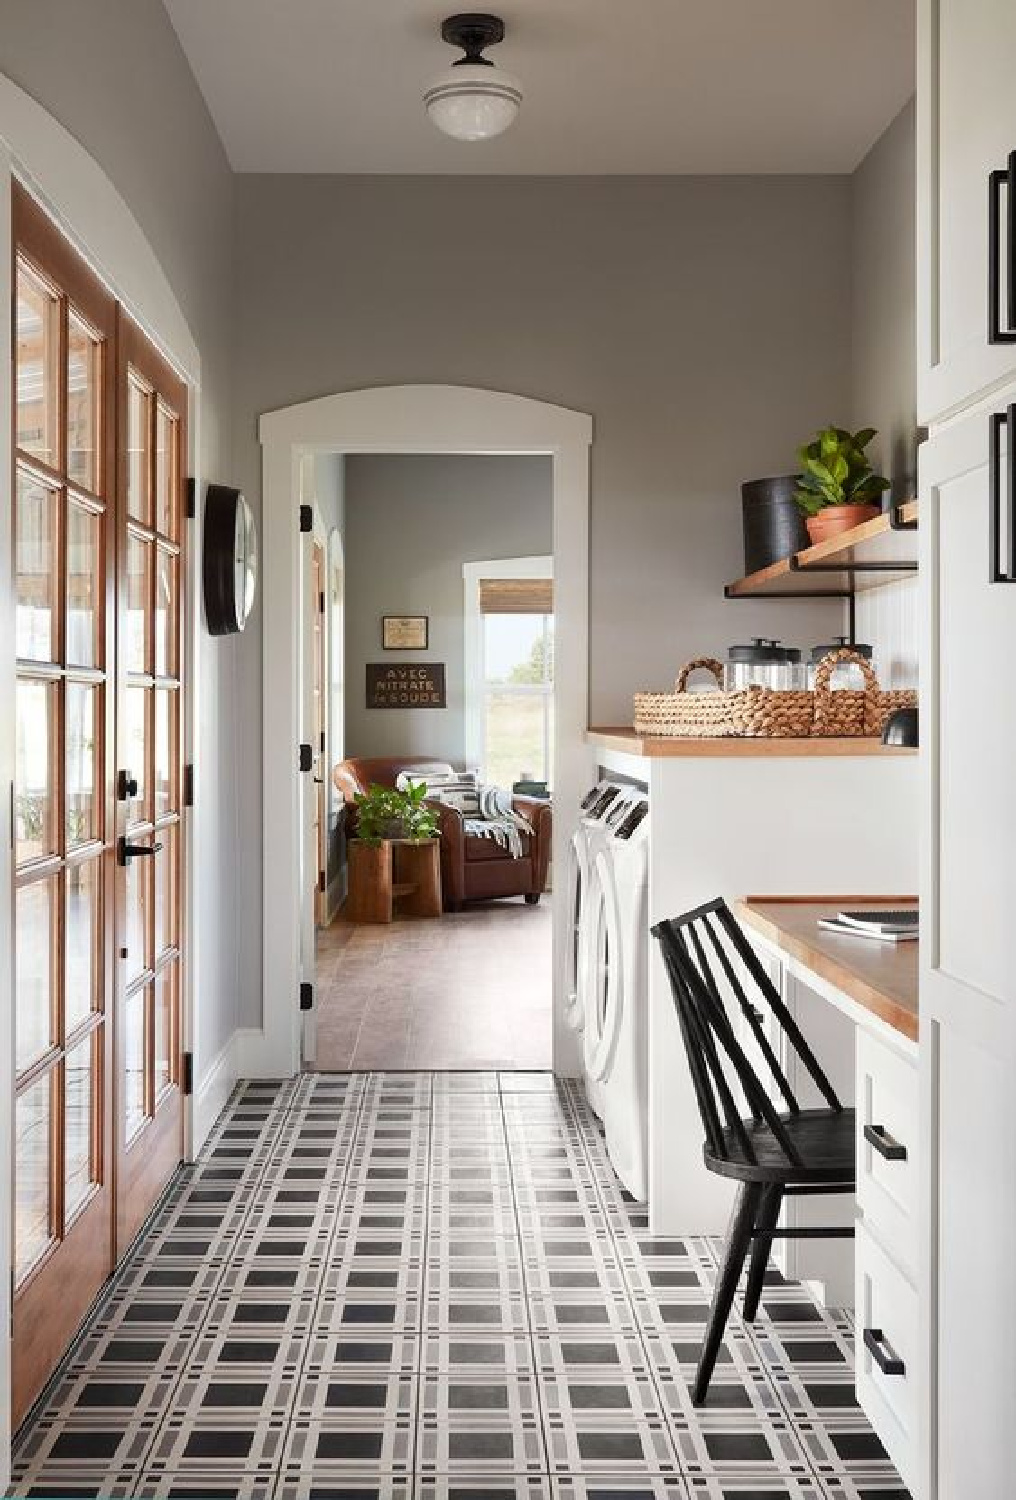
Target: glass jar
(763,663)
(847,674)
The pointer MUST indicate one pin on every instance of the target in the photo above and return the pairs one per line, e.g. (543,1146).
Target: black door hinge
(321,884)
(322,742)
(187,1074)
(188,786)
(191,502)
(306,757)
(306,518)
(306,996)
(321,603)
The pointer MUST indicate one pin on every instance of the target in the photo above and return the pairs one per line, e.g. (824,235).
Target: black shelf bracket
(797,566)
(896,521)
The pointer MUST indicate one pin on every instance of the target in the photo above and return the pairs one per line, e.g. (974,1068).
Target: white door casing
(405,419)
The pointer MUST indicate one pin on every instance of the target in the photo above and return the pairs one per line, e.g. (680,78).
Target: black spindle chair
(778,1149)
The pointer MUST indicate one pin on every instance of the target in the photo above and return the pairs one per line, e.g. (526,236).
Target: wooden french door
(64,541)
(152,409)
(83,1102)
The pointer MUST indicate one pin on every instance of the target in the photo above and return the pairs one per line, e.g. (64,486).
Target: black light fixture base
(473,30)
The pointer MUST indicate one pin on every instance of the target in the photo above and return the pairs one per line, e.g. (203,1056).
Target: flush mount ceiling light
(473,100)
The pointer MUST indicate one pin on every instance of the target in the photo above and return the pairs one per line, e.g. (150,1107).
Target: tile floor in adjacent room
(469,989)
(417,1285)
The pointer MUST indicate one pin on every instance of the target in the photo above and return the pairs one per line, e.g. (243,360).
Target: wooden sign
(409,685)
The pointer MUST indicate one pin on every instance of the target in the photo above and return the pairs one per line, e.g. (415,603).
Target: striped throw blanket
(487,811)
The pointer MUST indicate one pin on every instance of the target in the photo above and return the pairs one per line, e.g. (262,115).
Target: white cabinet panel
(966,129)
(887,1352)
(887,1107)
(968,980)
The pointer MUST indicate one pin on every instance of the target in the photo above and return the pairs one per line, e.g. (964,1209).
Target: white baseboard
(211,1092)
(257,1056)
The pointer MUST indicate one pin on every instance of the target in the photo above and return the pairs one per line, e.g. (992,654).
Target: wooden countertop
(880,977)
(633,743)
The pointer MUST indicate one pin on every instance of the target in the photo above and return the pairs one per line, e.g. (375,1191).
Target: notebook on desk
(885,926)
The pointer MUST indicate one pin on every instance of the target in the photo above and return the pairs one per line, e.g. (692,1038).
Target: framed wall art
(405,632)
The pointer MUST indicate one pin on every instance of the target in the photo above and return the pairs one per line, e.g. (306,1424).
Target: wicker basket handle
(824,692)
(707,663)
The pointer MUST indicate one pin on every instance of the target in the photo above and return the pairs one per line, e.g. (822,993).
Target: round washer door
(605,999)
(577,896)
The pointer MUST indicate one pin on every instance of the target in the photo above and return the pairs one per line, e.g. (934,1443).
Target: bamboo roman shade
(516,596)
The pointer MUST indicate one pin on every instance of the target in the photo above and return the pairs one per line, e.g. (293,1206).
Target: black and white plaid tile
(405,1286)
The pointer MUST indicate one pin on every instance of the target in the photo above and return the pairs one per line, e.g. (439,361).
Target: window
(510,671)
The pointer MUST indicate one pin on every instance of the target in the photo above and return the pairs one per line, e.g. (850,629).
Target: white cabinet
(967,1235)
(889,1349)
(966,103)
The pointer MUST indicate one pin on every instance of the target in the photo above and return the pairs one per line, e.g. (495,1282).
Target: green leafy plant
(837,471)
(383,812)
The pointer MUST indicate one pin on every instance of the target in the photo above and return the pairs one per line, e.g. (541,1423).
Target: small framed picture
(405,632)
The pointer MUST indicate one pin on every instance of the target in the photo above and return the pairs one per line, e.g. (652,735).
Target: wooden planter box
(396,877)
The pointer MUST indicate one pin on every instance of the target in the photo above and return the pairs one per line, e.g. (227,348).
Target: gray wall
(883,301)
(113,73)
(705,324)
(411,522)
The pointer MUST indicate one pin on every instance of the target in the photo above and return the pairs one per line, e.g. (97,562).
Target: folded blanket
(499,821)
(487,811)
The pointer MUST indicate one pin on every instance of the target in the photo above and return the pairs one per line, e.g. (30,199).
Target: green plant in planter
(836,471)
(383,812)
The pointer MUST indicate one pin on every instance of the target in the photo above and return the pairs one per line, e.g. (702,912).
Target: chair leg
(769,1212)
(738,1243)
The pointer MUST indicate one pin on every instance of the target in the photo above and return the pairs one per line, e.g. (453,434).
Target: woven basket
(766,713)
(848,713)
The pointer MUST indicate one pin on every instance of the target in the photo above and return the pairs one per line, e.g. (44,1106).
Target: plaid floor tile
(405,1286)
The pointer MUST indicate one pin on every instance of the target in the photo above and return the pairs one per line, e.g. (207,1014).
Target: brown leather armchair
(472,869)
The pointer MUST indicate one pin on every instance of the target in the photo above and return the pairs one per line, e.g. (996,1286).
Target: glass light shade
(473,102)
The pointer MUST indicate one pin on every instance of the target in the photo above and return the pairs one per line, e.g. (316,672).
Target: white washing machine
(615,961)
(594,806)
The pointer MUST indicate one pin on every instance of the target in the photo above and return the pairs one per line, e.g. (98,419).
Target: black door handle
(883,1353)
(999,333)
(999,571)
(127,851)
(885,1144)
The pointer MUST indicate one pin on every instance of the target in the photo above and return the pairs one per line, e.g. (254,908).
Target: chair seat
(823,1138)
(489,849)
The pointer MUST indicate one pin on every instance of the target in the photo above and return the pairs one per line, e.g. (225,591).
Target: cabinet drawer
(886,1351)
(887,1134)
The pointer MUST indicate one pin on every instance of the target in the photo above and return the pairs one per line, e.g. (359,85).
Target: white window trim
(473,666)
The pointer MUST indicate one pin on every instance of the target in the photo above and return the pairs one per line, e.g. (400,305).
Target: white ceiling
(611,86)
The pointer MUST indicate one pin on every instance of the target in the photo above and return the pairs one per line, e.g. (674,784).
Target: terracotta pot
(836,519)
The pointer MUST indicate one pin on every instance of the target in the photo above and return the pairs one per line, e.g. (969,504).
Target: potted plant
(384,813)
(838,489)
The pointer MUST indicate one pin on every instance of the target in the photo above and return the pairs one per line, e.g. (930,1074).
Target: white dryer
(595,805)
(615,984)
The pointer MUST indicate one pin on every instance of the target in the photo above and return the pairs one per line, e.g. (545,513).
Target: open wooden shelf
(862,558)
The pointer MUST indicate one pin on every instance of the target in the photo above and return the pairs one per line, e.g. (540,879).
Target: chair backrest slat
(793,1032)
(710,1081)
(710,1038)
(752,1016)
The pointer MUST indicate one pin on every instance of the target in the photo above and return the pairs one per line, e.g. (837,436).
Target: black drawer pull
(1002,569)
(883,1353)
(885,1144)
(1006,177)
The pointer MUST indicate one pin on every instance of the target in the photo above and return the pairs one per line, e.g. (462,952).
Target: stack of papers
(884,926)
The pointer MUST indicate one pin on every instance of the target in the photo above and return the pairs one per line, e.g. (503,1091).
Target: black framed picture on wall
(405,632)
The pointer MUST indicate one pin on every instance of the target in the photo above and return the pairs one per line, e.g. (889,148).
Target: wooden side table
(395,878)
